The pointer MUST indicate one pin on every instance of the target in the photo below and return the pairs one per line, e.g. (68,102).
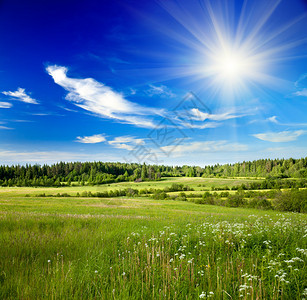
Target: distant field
(194,182)
(122,248)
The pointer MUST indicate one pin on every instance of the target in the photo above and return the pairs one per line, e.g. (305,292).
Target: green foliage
(130,249)
(290,200)
(208,198)
(95,173)
(182,197)
(294,200)
(260,203)
(176,187)
(159,195)
(236,200)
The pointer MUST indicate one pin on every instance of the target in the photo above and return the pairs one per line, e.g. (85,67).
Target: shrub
(131,192)
(199,201)
(208,198)
(160,195)
(182,196)
(224,194)
(260,203)
(65,195)
(84,194)
(236,200)
(294,200)
(41,195)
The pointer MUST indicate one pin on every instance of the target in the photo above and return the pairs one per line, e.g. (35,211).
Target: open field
(197,183)
(122,248)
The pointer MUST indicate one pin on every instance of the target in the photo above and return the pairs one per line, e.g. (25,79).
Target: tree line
(91,173)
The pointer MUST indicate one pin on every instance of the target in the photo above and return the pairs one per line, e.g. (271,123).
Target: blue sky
(173,82)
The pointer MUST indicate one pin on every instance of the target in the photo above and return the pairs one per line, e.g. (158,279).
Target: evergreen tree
(144,173)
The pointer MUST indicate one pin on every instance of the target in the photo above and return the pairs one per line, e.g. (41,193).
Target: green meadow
(197,183)
(140,248)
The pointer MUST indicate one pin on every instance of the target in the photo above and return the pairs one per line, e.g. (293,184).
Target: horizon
(165,165)
(198,84)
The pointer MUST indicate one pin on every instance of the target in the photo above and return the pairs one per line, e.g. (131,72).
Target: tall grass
(176,251)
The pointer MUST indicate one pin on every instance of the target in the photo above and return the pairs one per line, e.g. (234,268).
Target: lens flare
(232,48)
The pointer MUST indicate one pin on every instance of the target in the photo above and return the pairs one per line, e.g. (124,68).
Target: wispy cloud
(275,149)
(5,105)
(198,115)
(280,137)
(67,109)
(302,92)
(41,114)
(5,127)
(273,119)
(94,139)
(302,81)
(132,91)
(22,121)
(102,100)
(43,157)
(205,147)
(161,90)
(21,95)
(300,85)
(120,142)
(126,142)
(201,126)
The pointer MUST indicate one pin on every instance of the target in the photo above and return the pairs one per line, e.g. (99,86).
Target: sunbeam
(227,52)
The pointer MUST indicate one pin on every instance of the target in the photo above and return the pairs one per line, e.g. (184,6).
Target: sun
(232,48)
(231,66)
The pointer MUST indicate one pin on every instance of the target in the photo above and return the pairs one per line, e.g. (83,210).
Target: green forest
(93,173)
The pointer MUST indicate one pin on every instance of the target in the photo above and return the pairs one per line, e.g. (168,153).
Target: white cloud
(302,81)
(161,90)
(5,127)
(67,109)
(48,157)
(205,147)
(21,95)
(201,126)
(191,117)
(302,92)
(300,85)
(132,91)
(120,142)
(102,100)
(273,119)
(5,105)
(126,142)
(202,116)
(94,139)
(280,137)
(275,149)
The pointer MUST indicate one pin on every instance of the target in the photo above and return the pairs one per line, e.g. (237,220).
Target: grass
(197,183)
(97,248)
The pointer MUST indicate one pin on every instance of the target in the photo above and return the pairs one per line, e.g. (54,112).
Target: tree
(144,173)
